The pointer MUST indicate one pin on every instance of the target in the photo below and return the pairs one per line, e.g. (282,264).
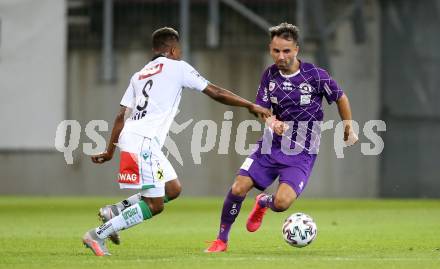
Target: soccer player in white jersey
(153,96)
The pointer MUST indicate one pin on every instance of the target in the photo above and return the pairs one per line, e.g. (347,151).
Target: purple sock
(264,200)
(231,208)
(269,201)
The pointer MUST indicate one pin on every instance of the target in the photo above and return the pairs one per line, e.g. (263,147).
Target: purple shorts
(263,169)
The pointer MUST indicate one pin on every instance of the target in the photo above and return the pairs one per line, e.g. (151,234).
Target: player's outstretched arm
(116,131)
(228,98)
(344,109)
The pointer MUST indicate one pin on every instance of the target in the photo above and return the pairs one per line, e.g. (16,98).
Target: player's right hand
(350,137)
(260,111)
(102,157)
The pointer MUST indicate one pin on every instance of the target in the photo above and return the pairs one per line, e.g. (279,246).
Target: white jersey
(154,95)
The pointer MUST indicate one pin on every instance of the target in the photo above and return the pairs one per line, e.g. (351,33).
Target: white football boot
(106,213)
(97,245)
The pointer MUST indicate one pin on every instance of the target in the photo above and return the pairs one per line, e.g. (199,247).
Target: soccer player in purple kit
(294,90)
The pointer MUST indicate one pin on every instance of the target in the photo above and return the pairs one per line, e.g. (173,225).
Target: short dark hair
(286,31)
(162,37)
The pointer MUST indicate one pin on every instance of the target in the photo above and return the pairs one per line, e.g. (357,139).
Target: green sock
(134,199)
(131,216)
(146,212)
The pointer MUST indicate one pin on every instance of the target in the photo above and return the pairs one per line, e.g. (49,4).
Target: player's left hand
(350,137)
(259,111)
(102,157)
(277,126)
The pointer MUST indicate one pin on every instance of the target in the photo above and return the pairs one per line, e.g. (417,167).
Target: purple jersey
(297,100)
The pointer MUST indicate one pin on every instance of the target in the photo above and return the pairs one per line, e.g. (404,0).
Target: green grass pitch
(46,232)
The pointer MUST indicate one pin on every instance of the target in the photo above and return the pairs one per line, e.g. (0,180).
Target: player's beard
(284,66)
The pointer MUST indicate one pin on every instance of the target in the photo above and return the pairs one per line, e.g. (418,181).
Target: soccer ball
(299,230)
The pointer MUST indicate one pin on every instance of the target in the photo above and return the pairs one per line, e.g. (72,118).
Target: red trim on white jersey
(148,72)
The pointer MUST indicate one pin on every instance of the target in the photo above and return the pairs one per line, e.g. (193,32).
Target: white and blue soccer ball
(299,230)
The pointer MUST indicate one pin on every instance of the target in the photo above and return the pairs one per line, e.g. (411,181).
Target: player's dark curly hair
(286,31)
(163,36)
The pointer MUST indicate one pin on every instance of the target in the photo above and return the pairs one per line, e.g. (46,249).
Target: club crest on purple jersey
(306,88)
(271,86)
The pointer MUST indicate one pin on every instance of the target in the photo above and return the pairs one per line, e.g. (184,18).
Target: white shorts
(143,165)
